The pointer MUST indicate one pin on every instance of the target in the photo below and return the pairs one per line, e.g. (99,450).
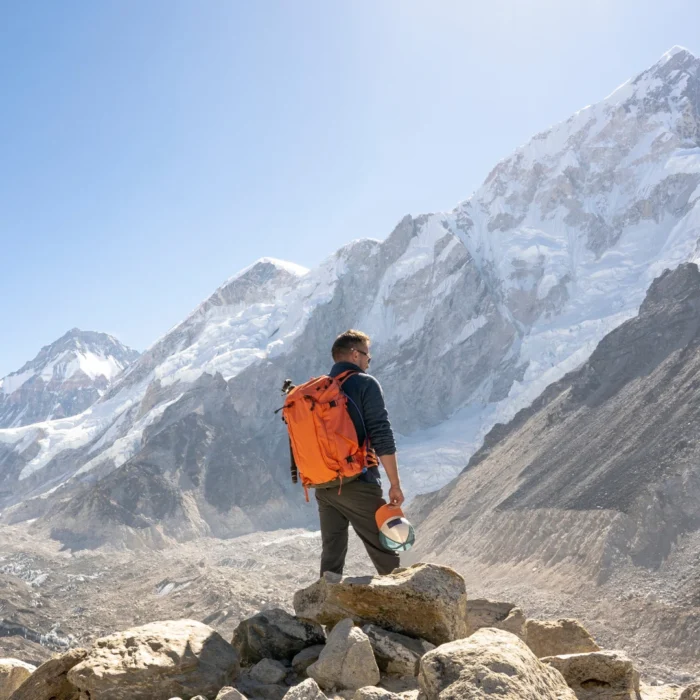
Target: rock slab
(490,613)
(557,637)
(157,661)
(598,674)
(692,692)
(423,601)
(274,634)
(305,658)
(347,660)
(489,663)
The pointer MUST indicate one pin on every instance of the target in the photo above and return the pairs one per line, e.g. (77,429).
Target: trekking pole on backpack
(286,388)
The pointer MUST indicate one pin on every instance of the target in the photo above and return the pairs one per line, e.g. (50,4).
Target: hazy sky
(152,148)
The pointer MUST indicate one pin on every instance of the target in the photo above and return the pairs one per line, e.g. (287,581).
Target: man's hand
(396,496)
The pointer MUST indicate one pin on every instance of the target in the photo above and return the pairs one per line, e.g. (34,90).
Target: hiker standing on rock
(339,431)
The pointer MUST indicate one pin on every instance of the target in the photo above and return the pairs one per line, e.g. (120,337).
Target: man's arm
(381,436)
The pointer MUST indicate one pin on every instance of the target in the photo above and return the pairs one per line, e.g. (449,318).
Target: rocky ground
(53,599)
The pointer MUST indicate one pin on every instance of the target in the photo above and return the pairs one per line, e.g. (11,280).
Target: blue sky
(152,149)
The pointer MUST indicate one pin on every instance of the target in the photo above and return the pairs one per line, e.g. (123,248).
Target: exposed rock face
(490,663)
(306,690)
(424,601)
(12,674)
(553,638)
(64,379)
(156,662)
(598,674)
(502,616)
(523,497)
(49,681)
(274,634)
(396,653)
(347,660)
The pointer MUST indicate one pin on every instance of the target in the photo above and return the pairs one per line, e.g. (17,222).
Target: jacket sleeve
(376,419)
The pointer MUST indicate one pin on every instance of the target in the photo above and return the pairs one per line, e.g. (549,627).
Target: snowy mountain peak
(64,378)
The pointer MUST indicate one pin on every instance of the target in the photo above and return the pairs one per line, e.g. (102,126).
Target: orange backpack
(322,435)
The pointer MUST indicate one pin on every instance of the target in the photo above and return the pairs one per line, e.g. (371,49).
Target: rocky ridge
(187,660)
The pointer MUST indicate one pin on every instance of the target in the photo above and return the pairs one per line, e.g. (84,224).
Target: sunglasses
(366,354)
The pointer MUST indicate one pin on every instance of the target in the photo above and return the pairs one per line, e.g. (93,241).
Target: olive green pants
(356,504)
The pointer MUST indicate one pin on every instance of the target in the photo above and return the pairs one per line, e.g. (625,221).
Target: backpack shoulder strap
(343,376)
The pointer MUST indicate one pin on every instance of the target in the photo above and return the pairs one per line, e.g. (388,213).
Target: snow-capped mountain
(472,313)
(64,379)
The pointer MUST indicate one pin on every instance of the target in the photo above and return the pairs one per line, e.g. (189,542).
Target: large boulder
(556,637)
(307,690)
(49,681)
(396,653)
(156,662)
(274,634)
(598,674)
(13,673)
(490,663)
(347,660)
(490,613)
(692,692)
(424,601)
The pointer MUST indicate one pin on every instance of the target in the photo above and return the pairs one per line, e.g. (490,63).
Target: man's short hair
(346,342)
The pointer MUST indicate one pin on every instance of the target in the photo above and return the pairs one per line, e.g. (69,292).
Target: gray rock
(396,653)
(306,690)
(274,634)
(268,671)
(424,601)
(306,657)
(347,660)
(598,674)
(489,663)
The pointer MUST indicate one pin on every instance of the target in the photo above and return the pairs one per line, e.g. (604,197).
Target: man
(357,501)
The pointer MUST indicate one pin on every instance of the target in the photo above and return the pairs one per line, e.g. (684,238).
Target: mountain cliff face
(472,312)
(64,379)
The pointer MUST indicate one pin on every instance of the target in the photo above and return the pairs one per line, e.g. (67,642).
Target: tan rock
(424,601)
(307,690)
(229,693)
(598,674)
(347,660)
(49,681)
(490,613)
(372,692)
(13,673)
(556,637)
(157,661)
(692,692)
(489,663)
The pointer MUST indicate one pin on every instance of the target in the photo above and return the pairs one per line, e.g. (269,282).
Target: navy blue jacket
(367,411)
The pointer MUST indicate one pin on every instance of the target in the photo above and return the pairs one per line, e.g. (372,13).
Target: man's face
(361,356)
